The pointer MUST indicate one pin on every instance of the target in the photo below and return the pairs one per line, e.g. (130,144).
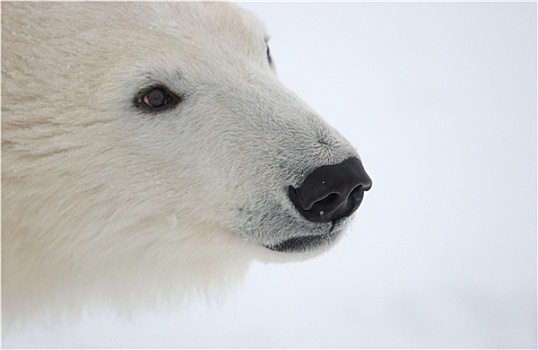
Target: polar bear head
(139,136)
(263,165)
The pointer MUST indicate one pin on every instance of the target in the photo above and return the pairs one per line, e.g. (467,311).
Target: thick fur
(105,202)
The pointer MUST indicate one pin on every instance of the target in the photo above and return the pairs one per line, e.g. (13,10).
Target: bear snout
(331,192)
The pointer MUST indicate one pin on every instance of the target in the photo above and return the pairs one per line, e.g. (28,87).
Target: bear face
(252,139)
(155,138)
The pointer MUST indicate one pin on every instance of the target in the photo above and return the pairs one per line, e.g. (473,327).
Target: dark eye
(156,99)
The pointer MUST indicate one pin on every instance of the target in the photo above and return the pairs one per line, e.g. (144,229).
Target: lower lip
(307,243)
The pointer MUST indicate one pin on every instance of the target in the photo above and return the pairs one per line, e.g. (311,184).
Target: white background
(440,101)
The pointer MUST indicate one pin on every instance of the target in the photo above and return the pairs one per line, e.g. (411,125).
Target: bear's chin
(310,243)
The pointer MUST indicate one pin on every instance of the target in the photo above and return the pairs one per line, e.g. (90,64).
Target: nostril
(333,197)
(331,192)
(356,192)
(366,184)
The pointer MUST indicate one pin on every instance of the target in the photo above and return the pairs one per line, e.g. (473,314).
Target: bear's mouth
(308,243)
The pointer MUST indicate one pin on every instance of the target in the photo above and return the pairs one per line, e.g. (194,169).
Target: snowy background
(440,101)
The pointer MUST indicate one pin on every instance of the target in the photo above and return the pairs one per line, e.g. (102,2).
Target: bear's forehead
(201,21)
(198,32)
(144,26)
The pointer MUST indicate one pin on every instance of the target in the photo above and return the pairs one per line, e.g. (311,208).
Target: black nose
(331,192)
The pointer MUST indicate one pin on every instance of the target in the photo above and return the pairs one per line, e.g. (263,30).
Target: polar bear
(149,150)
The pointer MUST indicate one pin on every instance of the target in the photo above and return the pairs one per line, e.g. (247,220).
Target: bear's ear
(156,98)
(268,51)
(269,59)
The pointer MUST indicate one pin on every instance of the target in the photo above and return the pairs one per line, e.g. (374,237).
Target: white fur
(102,202)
